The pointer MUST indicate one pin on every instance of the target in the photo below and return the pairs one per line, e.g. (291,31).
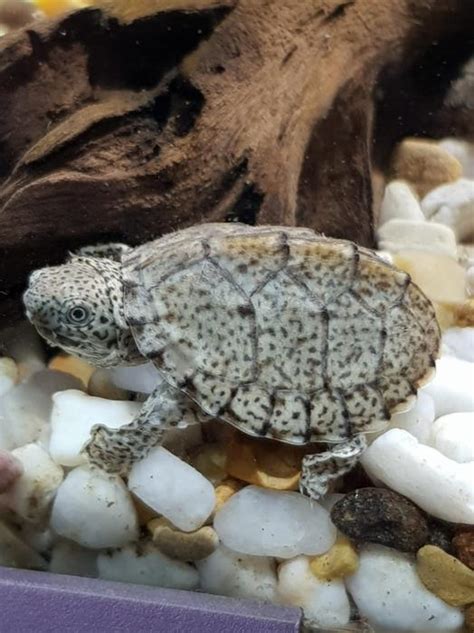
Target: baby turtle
(280,332)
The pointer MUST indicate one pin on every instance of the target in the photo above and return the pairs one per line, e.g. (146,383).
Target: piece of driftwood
(261,111)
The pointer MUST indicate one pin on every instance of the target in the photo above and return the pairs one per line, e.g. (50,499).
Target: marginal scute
(328,417)
(212,394)
(290,416)
(283,333)
(366,408)
(252,404)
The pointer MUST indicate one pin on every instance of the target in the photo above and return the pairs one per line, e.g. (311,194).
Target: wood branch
(234,110)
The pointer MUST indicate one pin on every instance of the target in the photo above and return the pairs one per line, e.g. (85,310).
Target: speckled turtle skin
(283,333)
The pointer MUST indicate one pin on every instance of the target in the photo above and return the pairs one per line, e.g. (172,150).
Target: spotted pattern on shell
(278,331)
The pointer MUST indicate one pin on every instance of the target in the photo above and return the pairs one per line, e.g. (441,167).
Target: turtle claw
(319,469)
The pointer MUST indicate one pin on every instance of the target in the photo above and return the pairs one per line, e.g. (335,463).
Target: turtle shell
(284,333)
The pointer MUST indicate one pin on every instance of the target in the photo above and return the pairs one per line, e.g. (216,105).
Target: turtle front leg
(320,468)
(116,450)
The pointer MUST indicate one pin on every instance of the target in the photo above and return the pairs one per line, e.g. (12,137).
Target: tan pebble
(340,561)
(72,365)
(210,460)
(185,546)
(225,490)
(101,386)
(469,618)
(264,463)
(445,576)
(424,164)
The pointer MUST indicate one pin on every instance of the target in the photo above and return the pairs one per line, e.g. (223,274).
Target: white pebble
(140,378)
(418,420)
(459,342)
(144,564)
(74,414)
(388,592)
(94,509)
(326,604)
(453,435)
(452,387)
(33,492)
(437,484)
(463,151)
(70,558)
(273,523)
(397,235)
(453,205)
(27,407)
(400,203)
(229,573)
(173,488)
(8,375)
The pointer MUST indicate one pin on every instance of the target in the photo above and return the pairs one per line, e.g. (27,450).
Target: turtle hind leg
(319,469)
(116,450)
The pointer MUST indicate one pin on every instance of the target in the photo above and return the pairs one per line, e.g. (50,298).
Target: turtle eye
(78,315)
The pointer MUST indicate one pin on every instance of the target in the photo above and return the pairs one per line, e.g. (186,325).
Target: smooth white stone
(400,203)
(453,435)
(453,205)
(70,558)
(452,387)
(330,500)
(32,493)
(437,484)
(463,151)
(74,414)
(8,375)
(140,378)
(27,407)
(326,604)
(459,342)
(418,420)
(388,592)
(397,235)
(94,509)
(273,523)
(144,564)
(229,573)
(173,488)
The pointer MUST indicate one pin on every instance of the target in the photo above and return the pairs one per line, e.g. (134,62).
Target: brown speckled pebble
(378,515)
(464,546)
(469,618)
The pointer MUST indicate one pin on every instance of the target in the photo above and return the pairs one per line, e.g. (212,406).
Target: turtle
(278,331)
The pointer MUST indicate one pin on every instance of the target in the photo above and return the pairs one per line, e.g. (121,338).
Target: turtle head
(79,307)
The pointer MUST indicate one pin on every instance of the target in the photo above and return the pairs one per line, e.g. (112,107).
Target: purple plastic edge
(52,603)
